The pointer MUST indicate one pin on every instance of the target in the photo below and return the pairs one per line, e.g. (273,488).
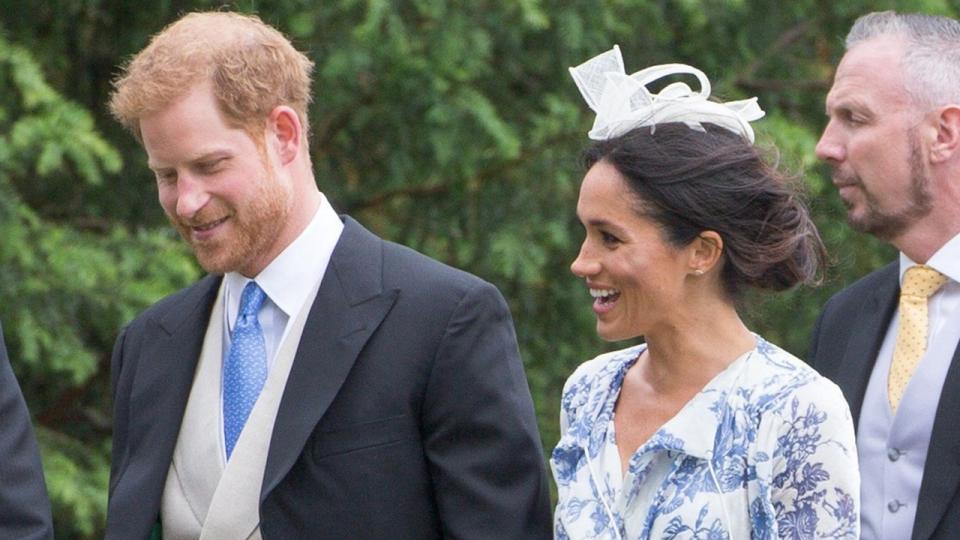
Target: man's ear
(706,250)
(947,141)
(283,126)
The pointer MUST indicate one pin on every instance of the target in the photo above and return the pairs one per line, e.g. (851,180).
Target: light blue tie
(245,369)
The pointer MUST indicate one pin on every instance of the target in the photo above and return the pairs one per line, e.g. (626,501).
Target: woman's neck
(693,350)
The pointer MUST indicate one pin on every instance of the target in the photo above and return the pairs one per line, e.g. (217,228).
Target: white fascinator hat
(622,102)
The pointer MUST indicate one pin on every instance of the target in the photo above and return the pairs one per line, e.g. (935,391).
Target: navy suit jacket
(846,341)
(406,413)
(24,506)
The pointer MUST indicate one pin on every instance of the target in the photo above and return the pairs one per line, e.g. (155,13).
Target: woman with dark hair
(705,430)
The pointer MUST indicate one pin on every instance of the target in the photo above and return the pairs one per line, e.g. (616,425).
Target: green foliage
(68,282)
(77,475)
(452,127)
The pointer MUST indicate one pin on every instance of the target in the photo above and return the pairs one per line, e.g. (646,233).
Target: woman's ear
(705,252)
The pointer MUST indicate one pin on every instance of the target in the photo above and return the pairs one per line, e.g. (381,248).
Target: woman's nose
(584,265)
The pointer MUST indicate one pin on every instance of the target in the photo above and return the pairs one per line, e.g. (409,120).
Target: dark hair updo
(690,181)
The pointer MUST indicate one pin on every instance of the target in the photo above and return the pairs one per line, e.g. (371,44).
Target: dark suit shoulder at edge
(405,266)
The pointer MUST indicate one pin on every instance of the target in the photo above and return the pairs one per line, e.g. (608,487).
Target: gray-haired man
(890,340)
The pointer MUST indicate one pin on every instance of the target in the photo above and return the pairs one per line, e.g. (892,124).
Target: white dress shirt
(287,280)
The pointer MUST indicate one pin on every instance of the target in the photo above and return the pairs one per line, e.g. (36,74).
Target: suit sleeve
(480,431)
(24,506)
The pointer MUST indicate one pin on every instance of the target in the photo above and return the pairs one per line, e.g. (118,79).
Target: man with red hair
(320,382)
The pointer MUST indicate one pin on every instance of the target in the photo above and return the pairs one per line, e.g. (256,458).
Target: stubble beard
(254,229)
(884,224)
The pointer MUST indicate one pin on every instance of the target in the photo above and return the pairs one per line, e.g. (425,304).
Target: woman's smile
(604,300)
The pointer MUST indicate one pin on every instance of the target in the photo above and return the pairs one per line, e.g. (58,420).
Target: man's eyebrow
(212,155)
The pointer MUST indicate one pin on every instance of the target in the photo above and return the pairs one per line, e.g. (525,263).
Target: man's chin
(858,221)
(884,228)
(859,225)
(214,261)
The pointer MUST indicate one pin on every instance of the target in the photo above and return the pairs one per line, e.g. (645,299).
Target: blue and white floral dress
(765,450)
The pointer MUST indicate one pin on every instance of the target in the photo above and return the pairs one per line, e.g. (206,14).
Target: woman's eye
(609,238)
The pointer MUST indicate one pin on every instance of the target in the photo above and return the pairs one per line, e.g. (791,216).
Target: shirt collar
(290,277)
(945,260)
(688,432)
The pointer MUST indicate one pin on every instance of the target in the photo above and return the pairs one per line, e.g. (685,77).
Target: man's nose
(191,196)
(829,147)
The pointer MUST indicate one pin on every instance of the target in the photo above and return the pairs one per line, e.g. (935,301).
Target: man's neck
(926,237)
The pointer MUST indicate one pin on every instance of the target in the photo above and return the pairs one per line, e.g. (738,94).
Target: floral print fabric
(765,450)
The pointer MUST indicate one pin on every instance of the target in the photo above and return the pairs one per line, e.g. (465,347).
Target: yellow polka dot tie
(919,283)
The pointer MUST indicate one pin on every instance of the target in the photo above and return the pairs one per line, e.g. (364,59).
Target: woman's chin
(612,333)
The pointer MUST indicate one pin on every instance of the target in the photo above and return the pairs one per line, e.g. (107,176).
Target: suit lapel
(866,335)
(941,472)
(349,306)
(162,383)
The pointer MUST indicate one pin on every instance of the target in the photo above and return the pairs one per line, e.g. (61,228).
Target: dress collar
(684,433)
(689,431)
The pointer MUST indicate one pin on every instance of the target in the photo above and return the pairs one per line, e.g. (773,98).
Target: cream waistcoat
(203,497)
